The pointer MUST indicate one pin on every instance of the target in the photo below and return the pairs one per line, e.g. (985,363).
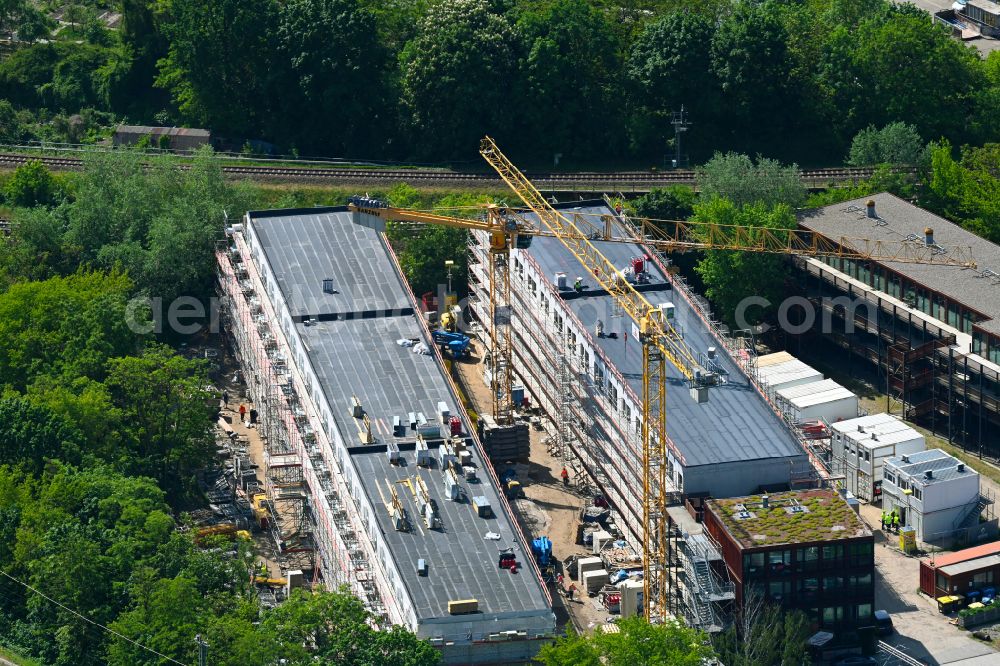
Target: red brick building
(805,550)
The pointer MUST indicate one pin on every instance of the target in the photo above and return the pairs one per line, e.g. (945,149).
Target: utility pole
(202,650)
(679,120)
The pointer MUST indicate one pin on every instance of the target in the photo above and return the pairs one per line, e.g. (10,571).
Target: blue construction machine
(455,344)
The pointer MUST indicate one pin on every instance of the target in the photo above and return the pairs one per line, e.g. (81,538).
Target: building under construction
(371,461)
(580,359)
(928,335)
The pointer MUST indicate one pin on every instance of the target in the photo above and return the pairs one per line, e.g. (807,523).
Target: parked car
(884,623)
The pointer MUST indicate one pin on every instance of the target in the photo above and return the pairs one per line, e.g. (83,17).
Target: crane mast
(661,343)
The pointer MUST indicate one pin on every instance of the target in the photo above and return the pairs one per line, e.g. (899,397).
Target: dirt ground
(548,507)
(264,548)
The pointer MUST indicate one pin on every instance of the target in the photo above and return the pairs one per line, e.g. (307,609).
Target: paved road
(921,631)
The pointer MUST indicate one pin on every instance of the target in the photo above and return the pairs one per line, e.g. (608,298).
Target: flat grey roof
(971,565)
(736,424)
(898,219)
(360,357)
(943,466)
(306,246)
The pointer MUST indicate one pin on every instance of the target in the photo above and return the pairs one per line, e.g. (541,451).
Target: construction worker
(243,412)
(225,400)
(565,476)
(578,284)
(883,520)
(895,521)
(571,590)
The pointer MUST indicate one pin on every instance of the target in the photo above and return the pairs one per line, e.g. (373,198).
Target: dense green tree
(79,535)
(31,185)
(218,69)
(933,91)
(751,60)
(167,411)
(742,181)
(30,435)
(669,66)
(635,642)
(675,202)
(896,144)
(456,78)
(572,95)
(158,223)
(729,277)
(66,327)
(335,99)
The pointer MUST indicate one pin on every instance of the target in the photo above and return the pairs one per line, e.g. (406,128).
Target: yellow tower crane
(660,341)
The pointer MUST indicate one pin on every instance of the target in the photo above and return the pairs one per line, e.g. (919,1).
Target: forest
(590,83)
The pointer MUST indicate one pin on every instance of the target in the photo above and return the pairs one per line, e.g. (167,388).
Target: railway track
(620,179)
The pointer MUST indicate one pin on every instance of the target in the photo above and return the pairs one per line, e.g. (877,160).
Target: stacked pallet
(504,443)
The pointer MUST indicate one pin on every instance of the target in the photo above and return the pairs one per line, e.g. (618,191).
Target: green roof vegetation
(822,516)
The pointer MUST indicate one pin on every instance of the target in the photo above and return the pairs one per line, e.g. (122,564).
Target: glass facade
(832,582)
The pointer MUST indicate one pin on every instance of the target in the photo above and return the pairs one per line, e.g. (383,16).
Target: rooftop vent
(929,474)
(905,459)
(874,437)
(929,236)
(961,467)
(328,286)
(743,515)
(861,428)
(871,209)
(765,502)
(796,509)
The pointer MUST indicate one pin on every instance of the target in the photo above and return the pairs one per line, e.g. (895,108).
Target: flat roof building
(324,323)
(805,550)
(180,139)
(927,334)
(962,572)
(580,359)
(938,496)
(859,448)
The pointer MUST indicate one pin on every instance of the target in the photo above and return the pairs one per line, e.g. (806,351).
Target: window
(967,322)
(953,315)
(832,585)
(779,589)
(917,493)
(833,615)
(810,557)
(809,588)
(977,343)
(983,578)
(860,553)
(942,582)
(779,561)
(833,552)
(889,477)
(864,612)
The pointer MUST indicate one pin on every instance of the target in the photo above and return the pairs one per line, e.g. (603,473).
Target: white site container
(826,400)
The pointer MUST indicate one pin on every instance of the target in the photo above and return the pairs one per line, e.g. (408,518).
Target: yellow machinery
(660,341)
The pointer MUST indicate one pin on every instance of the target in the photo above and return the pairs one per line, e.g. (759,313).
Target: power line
(87,619)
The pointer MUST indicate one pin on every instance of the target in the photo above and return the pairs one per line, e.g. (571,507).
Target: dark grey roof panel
(360,357)
(899,219)
(303,249)
(736,424)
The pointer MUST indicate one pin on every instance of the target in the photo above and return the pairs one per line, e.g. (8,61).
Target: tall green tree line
(583,81)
